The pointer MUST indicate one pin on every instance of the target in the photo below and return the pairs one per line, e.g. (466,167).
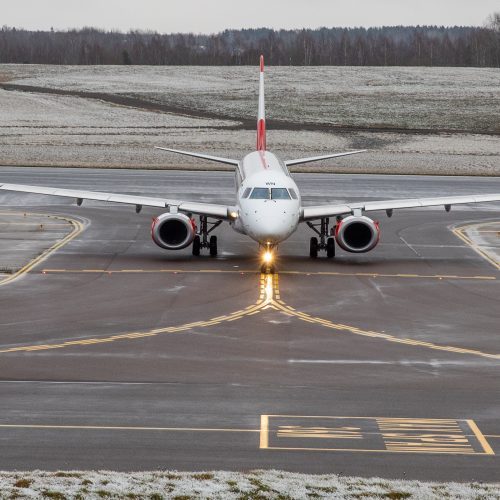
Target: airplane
(268,206)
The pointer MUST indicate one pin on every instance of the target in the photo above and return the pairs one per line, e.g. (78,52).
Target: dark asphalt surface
(194,399)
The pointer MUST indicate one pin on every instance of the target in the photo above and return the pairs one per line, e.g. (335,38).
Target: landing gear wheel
(196,245)
(330,248)
(313,248)
(213,246)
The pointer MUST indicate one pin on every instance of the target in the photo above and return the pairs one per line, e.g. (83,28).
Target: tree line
(385,46)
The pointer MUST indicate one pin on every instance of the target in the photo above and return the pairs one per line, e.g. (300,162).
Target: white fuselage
(268,199)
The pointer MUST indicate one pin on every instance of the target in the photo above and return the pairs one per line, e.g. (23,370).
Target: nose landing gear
(324,243)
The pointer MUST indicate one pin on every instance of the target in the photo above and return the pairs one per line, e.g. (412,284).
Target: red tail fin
(261,117)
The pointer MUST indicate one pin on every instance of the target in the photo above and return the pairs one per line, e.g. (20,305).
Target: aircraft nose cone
(273,228)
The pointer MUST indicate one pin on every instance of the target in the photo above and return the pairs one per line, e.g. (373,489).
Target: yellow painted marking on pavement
(298,431)
(460,232)
(373,434)
(264,432)
(124,428)
(251,271)
(259,305)
(77,229)
(387,275)
(480,437)
(380,335)
(269,290)
(149,271)
(359,450)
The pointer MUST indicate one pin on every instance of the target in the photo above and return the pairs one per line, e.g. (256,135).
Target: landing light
(268,257)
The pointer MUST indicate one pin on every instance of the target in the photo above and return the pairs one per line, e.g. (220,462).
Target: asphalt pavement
(116,354)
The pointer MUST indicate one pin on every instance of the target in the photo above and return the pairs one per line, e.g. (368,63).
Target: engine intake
(173,231)
(357,234)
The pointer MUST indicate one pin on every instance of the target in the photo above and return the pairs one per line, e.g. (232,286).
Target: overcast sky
(208,16)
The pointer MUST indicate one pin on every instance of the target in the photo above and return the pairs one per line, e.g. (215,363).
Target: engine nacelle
(357,234)
(173,231)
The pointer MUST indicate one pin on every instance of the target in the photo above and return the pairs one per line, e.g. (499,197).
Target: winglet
(261,117)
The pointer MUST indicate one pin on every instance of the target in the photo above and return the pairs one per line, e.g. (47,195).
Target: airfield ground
(115,354)
(412,120)
(118,355)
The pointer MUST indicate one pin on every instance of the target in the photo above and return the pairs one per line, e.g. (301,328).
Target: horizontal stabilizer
(218,159)
(290,163)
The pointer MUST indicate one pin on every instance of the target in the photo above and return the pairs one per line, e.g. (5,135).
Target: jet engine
(173,231)
(357,234)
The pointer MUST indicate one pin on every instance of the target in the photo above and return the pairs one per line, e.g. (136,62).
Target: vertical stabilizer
(261,117)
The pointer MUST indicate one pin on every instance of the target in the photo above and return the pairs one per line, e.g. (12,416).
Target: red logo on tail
(261,135)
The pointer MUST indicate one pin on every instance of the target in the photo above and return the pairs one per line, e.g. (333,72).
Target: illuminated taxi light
(234,215)
(268,257)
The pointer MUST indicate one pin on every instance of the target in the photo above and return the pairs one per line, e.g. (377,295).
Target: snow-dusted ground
(445,98)
(227,485)
(44,129)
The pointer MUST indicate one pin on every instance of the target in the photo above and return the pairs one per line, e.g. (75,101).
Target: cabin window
(246,192)
(279,194)
(260,194)
(293,194)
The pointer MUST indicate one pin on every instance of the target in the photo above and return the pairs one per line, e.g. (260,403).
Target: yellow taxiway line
(124,428)
(77,228)
(253,271)
(460,232)
(269,299)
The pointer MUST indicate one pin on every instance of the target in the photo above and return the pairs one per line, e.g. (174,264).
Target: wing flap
(208,209)
(317,212)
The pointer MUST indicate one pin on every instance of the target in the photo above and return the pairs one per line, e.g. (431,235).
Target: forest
(385,46)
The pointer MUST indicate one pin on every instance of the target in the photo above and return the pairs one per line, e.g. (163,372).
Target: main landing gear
(325,242)
(201,240)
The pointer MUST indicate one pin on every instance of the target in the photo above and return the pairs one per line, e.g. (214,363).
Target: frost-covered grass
(226,485)
(52,130)
(429,98)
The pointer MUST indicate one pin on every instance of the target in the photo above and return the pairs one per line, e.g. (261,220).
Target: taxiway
(115,354)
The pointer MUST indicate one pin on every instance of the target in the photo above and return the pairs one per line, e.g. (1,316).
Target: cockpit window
(260,194)
(293,194)
(279,194)
(246,192)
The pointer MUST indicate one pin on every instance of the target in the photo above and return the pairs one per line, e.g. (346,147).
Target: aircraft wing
(208,209)
(320,211)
